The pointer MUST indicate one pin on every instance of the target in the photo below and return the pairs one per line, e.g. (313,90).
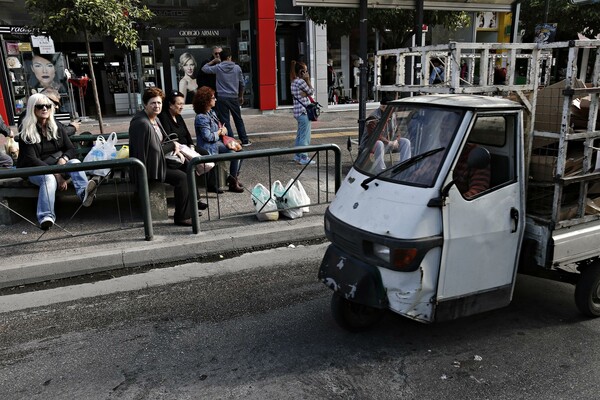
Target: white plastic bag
(104,149)
(264,203)
(302,198)
(286,200)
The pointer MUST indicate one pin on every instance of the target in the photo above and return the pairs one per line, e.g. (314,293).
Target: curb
(164,249)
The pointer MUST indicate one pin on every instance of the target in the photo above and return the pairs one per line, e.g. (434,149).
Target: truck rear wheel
(352,316)
(587,290)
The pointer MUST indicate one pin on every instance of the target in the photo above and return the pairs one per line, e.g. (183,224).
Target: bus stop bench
(14,189)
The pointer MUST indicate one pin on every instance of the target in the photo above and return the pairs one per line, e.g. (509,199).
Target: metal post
(362,89)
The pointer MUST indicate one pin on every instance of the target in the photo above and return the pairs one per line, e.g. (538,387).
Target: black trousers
(178,179)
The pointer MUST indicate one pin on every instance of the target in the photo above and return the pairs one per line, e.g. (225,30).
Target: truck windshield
(397,133)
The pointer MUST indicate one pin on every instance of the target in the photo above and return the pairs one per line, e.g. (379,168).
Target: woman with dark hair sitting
(149,143)
(209,131)
(172,121)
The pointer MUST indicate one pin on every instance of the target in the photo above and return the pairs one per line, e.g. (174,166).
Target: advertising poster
(187,64)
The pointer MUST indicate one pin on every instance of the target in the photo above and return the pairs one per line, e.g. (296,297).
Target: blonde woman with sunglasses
(43,142)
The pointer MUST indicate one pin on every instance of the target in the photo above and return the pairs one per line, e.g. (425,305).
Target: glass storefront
(31,64)
(343,66)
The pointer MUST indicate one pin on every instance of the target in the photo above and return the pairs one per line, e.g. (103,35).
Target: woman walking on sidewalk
(301,90)
(44,142)
(209,131)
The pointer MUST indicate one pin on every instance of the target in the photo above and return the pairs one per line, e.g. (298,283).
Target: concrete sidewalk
(100,245)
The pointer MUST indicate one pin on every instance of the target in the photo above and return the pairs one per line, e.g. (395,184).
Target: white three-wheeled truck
(439,231)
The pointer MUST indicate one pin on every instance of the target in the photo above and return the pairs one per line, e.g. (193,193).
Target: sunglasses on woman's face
(43,106)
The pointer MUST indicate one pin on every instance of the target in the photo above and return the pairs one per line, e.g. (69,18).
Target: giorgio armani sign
(193,32)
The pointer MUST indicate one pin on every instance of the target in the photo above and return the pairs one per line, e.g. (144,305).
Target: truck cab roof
(463,101)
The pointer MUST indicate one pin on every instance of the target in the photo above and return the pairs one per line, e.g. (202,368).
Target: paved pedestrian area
(110,234)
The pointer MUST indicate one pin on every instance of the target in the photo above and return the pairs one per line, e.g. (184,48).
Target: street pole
(362,88)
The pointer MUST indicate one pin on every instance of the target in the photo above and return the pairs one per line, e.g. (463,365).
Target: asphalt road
(259,327)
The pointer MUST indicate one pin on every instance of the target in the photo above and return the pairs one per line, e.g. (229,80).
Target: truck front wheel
(352,316)
(587,290)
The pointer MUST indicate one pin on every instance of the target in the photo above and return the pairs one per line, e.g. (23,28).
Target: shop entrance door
(289,46)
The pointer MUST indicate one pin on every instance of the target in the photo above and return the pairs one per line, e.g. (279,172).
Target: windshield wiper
(400,167)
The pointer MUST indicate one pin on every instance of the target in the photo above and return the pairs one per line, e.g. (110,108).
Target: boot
(234,186)
(238,181)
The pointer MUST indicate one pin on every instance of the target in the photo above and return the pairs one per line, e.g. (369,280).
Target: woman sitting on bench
(44,142)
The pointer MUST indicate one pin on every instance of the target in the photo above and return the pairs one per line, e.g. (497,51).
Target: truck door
(483,223)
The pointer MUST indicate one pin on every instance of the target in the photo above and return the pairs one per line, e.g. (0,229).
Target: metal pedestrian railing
(142,180)
(268,153)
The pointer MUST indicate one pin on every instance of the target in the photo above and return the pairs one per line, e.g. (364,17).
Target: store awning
(448,5)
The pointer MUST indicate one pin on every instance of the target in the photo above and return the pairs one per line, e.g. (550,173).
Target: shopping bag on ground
(104,149)
(285,199)
(190,153)
(265,205)
(303,199)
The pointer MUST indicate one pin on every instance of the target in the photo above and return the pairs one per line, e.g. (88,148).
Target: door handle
(514,216)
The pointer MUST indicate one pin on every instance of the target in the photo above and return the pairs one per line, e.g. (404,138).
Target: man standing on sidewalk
(230,92)
(210,80)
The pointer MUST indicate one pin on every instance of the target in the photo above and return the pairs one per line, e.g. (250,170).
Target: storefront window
(31,69)
(343,57)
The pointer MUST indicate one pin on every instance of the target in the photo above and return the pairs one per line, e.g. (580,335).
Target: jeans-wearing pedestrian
(301,90)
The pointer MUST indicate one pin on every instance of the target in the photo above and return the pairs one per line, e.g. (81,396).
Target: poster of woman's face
(45,71)
(188,63)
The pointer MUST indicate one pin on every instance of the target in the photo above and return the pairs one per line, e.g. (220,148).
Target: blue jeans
(303,134)
(48,186)
(224,107)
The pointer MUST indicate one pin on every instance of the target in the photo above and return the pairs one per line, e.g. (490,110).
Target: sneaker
(305,161)
(90,193)
(248,143)
(46,223)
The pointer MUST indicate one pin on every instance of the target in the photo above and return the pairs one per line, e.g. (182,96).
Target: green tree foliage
(395,26)
(571,19)
(114,18)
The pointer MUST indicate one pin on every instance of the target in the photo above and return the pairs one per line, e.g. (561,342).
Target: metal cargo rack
(521,71)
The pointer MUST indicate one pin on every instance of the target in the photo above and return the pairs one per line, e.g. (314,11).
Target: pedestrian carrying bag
(104,149)
(266,208)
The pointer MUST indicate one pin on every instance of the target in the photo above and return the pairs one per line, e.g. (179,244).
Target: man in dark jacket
(230,93)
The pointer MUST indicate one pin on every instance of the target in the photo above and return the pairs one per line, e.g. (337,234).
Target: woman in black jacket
(43,142)
(149,143)
(172,122)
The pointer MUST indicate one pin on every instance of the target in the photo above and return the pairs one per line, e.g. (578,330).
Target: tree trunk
(93,78)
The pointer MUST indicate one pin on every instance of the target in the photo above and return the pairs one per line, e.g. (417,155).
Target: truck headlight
(397,258)
(382,252)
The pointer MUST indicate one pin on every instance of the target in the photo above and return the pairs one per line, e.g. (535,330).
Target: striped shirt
(470,181)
